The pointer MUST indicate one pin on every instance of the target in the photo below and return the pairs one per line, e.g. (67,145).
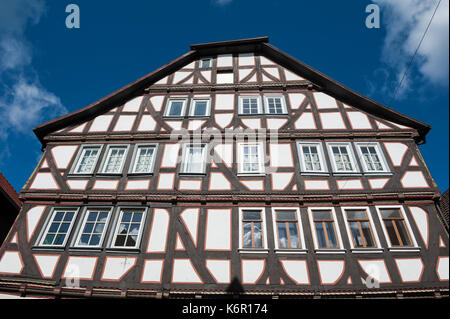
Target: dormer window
(205,63)
(200,107)
(249,105)
(175,108)
(275,105)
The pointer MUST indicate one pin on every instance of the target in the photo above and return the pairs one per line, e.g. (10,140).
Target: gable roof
(257,45)
(9,192)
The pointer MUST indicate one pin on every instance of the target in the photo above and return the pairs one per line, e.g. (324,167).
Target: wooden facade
(190,228)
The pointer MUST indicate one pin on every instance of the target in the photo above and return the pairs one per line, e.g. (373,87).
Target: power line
(414,55)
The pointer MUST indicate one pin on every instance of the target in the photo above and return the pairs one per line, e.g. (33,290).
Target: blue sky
(47,70)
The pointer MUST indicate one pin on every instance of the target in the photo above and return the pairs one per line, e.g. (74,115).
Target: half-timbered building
(235,169)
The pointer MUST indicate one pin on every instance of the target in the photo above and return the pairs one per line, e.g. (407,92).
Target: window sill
(330,251)
(367,250)
(122,250)
(291,251)
(200,117)
(181,117)
(59,249)
(75,175)
(378,174)
(347,174)
(140,174)
(404,249)
(253,251)
(314,174)
(250,175)
(192,175)
(86,249)
(109,175)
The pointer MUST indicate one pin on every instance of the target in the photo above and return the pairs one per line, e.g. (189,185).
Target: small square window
(359,226)
(251,158)
(58,228)
(325,231)
(115,159)
(252,229)
(396,227)
(287,229)
(144,159)
(93,228)
(250,105)
(194,159)
(205,63)
(175,108)
(372,158)
(275,105)
(342,158)
(200,107)
(130,225)
(311,156)
(87,159)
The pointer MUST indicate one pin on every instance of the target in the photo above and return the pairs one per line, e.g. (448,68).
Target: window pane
(247,236)
(403,232)
(321,235)
(365,226)
(282,235)
(87,160)
(176,107)
(356,214)
(194,159)
(391,233)
(114,161)
(200,108)
(391,213)
(287,215)
(293,234)
(257,232)
(357,239)
(144,159)
(252,215)
(322,215)
(331,235)
(275,105)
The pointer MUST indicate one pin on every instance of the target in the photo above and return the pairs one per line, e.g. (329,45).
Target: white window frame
(83,222)
(116,224)
(200,63)
(415,246)
(283,104)
(377,248)
(134,159)
(341,248)
(380,156)
(48,223)
(169,106)
(184,155)
(323,162)
(257,97)
(353,160)
(301,234)
(79,157)
(240,155)
(243,249)
(107,154)
(208,106)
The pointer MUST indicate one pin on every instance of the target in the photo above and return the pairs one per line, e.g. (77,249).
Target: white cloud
(405,22)
(24,102)
(25,105)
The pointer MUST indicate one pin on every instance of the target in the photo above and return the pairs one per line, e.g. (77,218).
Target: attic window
(205,63)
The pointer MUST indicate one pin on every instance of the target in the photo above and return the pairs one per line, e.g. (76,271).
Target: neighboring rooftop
(444,206)
(7,191)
